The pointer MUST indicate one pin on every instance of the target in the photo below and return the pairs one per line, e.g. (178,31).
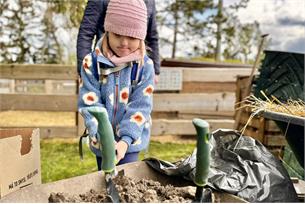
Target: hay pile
(291,107)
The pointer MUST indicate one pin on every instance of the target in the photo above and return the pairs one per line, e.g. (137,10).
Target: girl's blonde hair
(107,51)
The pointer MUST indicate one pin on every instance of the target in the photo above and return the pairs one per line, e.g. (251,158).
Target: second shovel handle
(203,152)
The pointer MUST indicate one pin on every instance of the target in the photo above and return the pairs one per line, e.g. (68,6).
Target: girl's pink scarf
(134,56)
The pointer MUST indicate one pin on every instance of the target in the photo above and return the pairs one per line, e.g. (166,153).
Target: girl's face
(123,45)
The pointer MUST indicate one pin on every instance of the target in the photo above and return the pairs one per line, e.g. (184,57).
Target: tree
(183,18)
(30,32)
(239,38)
(206,29)
(57,47)
(52,50)
(219,19)
(21,32)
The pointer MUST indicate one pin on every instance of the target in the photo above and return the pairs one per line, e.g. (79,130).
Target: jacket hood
(100,57)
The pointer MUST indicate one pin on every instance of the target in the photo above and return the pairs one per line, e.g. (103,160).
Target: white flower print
(148,91)
(90,98)
(124,95)
(137,118)
(87,62)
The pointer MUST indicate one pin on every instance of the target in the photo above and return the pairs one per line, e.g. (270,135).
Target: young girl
(120,77)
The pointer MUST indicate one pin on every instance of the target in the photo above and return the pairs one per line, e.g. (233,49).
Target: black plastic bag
(239,165)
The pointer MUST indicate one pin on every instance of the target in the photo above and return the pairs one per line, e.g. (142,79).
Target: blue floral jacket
(128,107)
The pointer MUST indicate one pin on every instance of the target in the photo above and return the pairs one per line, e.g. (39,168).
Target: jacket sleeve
(89,93)
(88,28)
(152,38)
(139,106)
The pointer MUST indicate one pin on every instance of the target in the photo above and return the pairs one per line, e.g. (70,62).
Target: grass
(60,158)
(233,61)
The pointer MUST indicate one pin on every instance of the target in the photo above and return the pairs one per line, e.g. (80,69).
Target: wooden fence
(208,93)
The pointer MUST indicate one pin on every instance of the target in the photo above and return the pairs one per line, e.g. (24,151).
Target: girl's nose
(124,41)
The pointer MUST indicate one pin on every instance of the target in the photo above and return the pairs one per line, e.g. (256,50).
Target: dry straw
(292,107)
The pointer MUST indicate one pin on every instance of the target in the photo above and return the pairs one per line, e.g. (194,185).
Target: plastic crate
(170,80)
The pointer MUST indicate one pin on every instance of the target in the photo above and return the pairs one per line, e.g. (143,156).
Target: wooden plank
(12,86)
(57,72)
(252,133)
(268,140)
(48,86)
(159,127)
(185,127)
(38,71)
(184,103)
(208,87)
(213,104)
(270,125)
(261,129)
(277,140)
(80,124)
(53,132)
(207,114)
(214,74)
(38,102)
(241,85)
(194,103)
(168,115)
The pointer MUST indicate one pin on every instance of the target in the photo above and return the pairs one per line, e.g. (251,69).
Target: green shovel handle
(203,152)
(106,136)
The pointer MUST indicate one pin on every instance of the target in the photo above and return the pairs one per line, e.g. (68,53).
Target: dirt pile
(131,191)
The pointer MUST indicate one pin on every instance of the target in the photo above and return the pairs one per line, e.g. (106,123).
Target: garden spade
(107,148)
(203,195)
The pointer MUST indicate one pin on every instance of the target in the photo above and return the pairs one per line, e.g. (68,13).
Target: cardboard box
(19,159)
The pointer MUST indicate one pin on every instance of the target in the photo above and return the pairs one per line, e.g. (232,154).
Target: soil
(131,191)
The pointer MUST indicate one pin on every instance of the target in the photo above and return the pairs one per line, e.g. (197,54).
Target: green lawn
(60,158)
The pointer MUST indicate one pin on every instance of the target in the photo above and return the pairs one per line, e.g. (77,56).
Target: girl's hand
(121,148)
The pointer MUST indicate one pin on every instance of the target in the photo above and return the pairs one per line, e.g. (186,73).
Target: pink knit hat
(127,17)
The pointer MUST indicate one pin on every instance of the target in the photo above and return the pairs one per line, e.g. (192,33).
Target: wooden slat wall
(41,71)
(38,102)
(208,93)
(160,127)
(68,72)
(194,102)
(213,74)
(183,103)
(185,127)
(53,132)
